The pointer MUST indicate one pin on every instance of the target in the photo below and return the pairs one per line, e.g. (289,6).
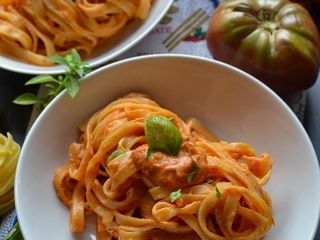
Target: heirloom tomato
(276,41)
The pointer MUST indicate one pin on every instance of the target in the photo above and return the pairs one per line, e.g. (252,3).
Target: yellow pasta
(9,154)
(209,189)
(32,30)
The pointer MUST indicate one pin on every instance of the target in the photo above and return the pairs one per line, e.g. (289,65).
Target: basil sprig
(162,135)
(69,81)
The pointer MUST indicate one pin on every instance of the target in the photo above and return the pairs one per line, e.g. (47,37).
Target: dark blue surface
(14,118)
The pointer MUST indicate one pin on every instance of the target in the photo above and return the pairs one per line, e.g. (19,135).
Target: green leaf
(69,63)
(83,70)
(69,81)
(192,174)
(115,154)
(175,195)
(26,99)
(61,78)
(80,71)
(51,92)
(72,85)
(209,180)
(87,69)
(218,193)
(162,135)
(14,234)
(75,56)
(40,79)
(195,169)
(48,85)
(58,59)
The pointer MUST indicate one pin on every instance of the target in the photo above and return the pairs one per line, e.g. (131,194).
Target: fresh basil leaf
(41,79)
(162,135)
(68,59)
(83,69)
(51,92)
(86,68)
(80,71)
(26,99)
(49,85)
(58,59)
(115,154)
(75,56)
(175,195)
(72,85)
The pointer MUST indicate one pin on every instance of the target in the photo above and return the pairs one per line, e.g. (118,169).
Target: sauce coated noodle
(32,30)
(130,195)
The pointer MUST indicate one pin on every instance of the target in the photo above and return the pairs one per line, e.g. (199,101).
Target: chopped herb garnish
(218,193)
(209,180)
(115,154)
(175,195)
(192,174)
(195,168)
(162,135)
(70,81)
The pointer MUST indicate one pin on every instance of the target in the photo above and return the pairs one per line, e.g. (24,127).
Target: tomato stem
(266,19)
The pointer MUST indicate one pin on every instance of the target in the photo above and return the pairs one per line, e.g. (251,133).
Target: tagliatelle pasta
(211,189)
(32,30)
(9,155)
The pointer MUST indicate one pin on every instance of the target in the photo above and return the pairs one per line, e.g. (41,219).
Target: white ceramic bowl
(127,38)
(231,103)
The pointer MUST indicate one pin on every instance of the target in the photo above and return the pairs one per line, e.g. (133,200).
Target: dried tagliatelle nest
(9,155)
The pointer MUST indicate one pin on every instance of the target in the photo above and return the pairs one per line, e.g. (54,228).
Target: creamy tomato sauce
(172,171)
